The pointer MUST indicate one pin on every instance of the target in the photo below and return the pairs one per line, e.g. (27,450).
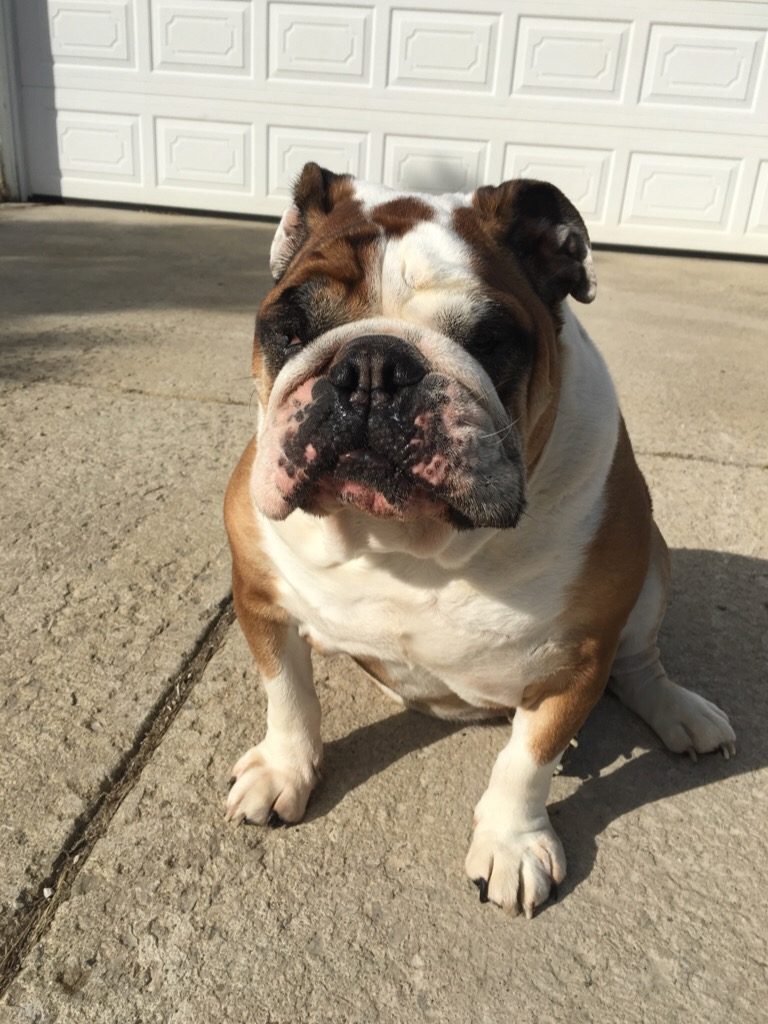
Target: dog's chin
(364,482)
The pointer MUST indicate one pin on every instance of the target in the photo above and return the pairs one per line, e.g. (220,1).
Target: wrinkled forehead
(419,231)
(375,236)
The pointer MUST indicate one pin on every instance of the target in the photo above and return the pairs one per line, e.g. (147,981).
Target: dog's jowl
(441,486)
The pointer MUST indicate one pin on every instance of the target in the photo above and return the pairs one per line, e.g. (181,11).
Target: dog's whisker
(501,431)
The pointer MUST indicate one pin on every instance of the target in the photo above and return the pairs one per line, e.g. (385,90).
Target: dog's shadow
(713,640)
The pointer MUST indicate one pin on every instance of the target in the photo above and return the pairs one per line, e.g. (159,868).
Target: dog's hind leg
(686,722)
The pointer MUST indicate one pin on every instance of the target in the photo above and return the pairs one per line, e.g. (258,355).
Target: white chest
(480,635)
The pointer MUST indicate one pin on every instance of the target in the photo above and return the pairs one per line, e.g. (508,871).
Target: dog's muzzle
(380,428)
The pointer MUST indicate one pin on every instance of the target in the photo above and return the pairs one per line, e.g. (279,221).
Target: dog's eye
(285,341)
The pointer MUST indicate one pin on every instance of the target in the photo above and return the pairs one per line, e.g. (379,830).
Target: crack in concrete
(42,905)
(708,459)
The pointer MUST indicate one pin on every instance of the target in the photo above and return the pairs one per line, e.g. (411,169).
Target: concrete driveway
(127,690)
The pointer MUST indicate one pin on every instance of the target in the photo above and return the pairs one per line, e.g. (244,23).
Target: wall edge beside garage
(13,183)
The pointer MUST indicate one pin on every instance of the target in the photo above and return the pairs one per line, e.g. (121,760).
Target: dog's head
(407,354)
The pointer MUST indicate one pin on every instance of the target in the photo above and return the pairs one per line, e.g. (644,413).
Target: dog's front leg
(273,780)
(515,855)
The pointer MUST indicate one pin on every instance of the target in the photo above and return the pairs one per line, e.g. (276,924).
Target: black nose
(374,368)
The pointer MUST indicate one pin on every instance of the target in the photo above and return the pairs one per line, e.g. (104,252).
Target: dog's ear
(315,192)
(546,234)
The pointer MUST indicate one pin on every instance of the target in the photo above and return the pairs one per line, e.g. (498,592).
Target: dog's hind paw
(690,724)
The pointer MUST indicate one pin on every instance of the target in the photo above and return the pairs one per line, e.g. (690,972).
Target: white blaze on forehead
(432,256)
(427,273)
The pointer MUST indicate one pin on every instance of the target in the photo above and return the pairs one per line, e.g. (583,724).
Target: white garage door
(652,117)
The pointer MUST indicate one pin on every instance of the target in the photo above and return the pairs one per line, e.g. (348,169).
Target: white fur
(285,241)
(280,772)
(514,848)
(686,722)
(427,275)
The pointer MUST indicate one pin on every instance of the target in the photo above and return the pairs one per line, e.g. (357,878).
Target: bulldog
(441,485)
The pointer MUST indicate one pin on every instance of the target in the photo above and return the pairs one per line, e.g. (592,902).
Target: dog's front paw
(270,787)
(515,869)
(690,724)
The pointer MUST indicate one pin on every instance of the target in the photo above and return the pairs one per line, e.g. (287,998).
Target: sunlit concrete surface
(124,368)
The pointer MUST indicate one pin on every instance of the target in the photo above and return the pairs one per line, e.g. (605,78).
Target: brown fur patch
(399,216)
(533,403)
(336,257)
(561,703)
(542,396)
(598,606)
(254,588)
(336,248)
(617,559)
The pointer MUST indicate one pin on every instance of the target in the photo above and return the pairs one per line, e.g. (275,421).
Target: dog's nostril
(406,372)
(345,375)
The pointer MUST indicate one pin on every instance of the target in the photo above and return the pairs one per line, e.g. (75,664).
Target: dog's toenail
(482,885)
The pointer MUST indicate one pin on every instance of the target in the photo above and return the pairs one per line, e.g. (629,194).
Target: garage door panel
(440,50)
(320,43)
(97,33)
(713,66)
(98,145)
(434,165)
(289,148)
(652,117)
(202,37)
(571,58)
(68,35)
(203,155)
(691,191)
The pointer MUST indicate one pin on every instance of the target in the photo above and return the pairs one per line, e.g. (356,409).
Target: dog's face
(407,353)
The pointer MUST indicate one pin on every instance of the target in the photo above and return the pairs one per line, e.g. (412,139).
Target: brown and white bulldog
(441,485)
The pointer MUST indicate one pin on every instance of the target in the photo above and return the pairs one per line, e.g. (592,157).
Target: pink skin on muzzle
(468,463)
